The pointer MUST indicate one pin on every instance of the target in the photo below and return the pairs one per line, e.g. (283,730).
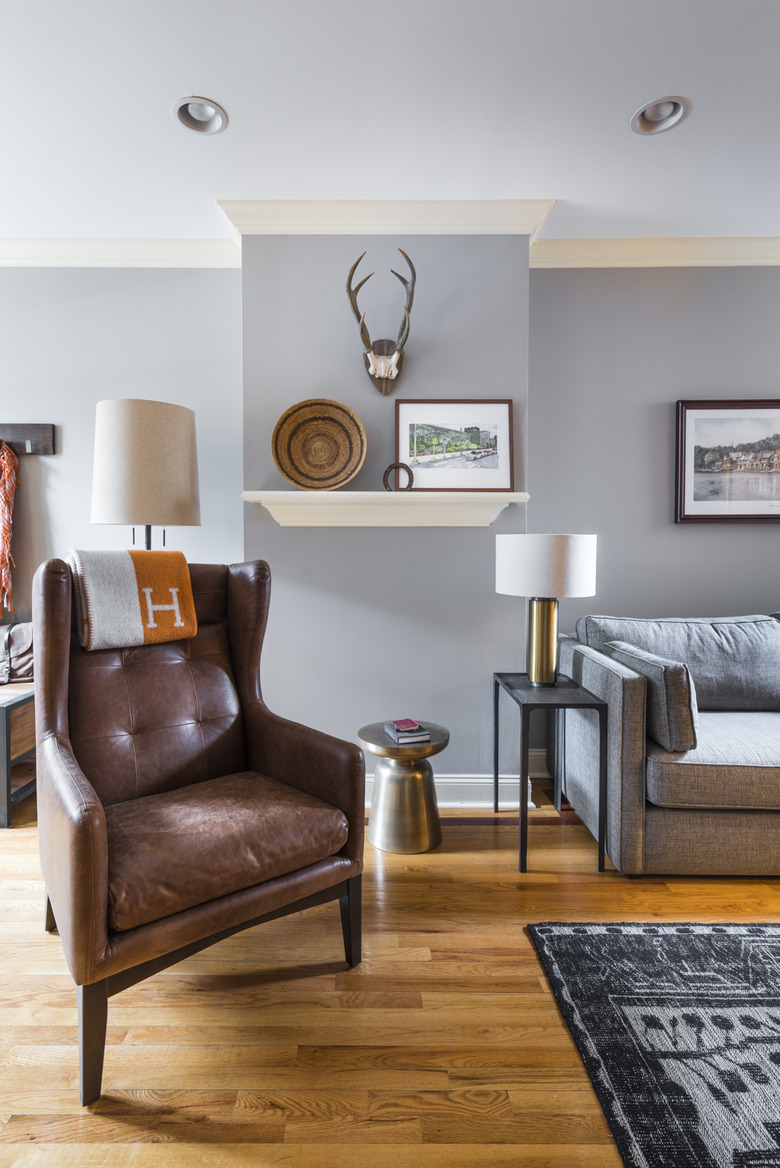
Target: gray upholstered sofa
(694,741)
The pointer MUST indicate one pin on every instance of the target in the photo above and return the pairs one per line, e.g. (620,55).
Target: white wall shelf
(385,508)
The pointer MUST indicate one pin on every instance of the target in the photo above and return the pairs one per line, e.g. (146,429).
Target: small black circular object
(398,466)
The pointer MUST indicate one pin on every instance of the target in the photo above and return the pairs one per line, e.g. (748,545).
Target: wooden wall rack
(28,438)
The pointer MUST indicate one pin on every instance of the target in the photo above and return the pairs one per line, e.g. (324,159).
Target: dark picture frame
(454,444)
(728,461)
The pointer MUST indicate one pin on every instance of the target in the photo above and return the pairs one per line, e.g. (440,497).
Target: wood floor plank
(79,1129)
(17,1100)
(403,1031)
(376,1078)
(321,1105)
(219,1077)
(477,1103)
(564,1128)
(403,1130)
(26,1034)
(452,1155)
(157,1155)
(176,1059)
(151,1102)
(439,977)
(459,1054)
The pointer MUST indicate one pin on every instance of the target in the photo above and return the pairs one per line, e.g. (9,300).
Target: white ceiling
(392,100)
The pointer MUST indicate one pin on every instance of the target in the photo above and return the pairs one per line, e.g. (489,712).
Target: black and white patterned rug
(679,1030)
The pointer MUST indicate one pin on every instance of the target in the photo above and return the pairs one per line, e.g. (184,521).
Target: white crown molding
(377,217)
(495,217)
(120,253)
(705,252)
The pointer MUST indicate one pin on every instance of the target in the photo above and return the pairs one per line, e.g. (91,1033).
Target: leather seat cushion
(181,848)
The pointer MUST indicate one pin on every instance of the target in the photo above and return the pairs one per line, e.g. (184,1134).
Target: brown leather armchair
(174,808)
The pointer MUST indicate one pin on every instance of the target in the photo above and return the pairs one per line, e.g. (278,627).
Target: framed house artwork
(458,445)
(728,461)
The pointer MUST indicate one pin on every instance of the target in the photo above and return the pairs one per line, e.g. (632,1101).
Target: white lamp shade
(546,565)
(146,464)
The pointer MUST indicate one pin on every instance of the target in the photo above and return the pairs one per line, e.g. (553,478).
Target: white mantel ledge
(385,508)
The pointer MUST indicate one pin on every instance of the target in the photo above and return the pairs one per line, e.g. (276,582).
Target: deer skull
(383,358)
(383,367)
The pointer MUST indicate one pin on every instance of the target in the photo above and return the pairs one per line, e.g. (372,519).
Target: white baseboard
(477,790)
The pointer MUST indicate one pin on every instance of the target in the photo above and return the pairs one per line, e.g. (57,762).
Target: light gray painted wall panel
(373,623)
(611,352)
(71,337)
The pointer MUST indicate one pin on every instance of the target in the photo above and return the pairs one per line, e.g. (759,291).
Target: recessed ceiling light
(660,115)
(201,115)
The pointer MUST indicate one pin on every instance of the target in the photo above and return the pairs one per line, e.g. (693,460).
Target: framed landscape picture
(456,445)
(728,461)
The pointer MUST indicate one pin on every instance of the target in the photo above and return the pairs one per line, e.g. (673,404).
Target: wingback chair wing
(174,808)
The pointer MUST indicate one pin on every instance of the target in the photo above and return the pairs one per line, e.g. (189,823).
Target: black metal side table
(564,695)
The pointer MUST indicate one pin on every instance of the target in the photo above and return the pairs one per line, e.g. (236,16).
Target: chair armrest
(71,823)
(329,768)
(624,692)
(74,857)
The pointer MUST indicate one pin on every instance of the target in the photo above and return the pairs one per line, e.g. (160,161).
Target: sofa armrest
(624,692)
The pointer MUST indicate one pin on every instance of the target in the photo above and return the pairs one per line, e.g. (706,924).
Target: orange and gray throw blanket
(9,467)
(132,598)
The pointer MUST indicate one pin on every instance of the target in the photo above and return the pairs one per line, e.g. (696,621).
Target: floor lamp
(543,568)
(146,465)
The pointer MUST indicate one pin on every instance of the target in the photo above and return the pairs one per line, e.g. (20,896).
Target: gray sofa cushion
(736,765)
(734,661)
(671,695)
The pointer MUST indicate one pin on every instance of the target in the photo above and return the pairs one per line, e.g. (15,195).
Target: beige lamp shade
(546,565)
(146,464)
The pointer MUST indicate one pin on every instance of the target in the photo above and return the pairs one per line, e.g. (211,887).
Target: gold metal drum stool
(404,813)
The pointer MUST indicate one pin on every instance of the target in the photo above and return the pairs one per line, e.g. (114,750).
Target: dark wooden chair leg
(93,1017)
(351,907)
(49,924)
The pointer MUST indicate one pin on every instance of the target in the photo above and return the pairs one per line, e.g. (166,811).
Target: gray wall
(610,354)
(376,622)
(372,623)
(71,337)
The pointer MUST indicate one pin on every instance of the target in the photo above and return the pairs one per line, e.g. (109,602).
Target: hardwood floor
(443,1049)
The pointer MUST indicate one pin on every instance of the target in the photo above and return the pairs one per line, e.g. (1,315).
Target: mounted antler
(383,358)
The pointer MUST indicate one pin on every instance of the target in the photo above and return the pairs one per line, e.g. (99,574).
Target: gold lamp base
(542,651)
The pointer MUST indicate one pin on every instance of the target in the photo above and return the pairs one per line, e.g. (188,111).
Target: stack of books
(405,730)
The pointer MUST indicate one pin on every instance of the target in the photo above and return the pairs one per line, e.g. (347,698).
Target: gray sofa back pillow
(734,661)
(672,712)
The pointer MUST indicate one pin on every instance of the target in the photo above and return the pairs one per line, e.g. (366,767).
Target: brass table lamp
(543,568)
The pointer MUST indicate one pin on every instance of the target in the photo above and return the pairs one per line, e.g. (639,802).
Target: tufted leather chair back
(154,718)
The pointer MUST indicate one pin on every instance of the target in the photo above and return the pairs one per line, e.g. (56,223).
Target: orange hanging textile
(9,466)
